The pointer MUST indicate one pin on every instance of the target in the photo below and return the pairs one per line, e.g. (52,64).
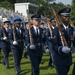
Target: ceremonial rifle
(4,34)
(14,34)
(49,26)
(72,24)
(30,32)
(60,30)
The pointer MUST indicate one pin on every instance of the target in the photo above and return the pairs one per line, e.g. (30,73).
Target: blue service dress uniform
(5,45)
(26,33)
(62,57)
(67,58)
(17,44)
(0,46)
(49,35)
(62,61)
(73,50)
(35,55)
(17,49)
(0,39)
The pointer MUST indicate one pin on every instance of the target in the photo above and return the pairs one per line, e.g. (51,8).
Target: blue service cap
(17,18)
(26,23)
(42,23)
(52,19)
(35,17)
(11,22)
(65,12)
(23,22)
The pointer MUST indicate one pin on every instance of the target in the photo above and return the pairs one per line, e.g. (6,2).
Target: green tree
(45,9)
(73,11)
(44,6)
(6,5)
(11,1)
(2,0)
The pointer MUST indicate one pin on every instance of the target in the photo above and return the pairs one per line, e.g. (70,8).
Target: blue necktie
(37,31)
(67,29)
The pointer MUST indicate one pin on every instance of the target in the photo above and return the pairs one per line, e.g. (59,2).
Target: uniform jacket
(4,43)
(61,58)
(19,34)
(38,39)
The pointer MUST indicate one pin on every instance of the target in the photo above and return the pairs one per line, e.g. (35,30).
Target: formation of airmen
(34,36)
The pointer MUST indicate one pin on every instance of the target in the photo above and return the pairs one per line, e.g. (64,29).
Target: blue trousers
(35,62)
(17,54)
(62,69)
(6,51)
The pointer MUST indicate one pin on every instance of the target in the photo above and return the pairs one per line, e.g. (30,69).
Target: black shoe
(0,62)
(73,71)
(31,73)
(7,67)
(3,62)
(51,66)
(42,62)
(18,70)
(25,55)
(18,73)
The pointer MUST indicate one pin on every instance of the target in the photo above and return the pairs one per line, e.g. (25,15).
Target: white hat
(0,18)
(5,20)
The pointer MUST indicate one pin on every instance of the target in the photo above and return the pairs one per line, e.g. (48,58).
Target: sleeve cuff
(2,38)
(60,50)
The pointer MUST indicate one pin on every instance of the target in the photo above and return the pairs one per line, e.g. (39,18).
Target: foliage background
(44,6)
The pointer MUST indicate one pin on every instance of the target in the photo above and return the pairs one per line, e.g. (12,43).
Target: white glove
(66,49)
(15,43)
(32,47)
(4,38)
(47,50)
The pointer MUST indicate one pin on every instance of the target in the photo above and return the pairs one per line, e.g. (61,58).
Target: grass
(26,67)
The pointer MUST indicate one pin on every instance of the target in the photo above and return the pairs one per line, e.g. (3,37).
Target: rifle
(49,26)
(30,33)
(72,37)
(4,34)
(72,24)
(14,34)
(60,30)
